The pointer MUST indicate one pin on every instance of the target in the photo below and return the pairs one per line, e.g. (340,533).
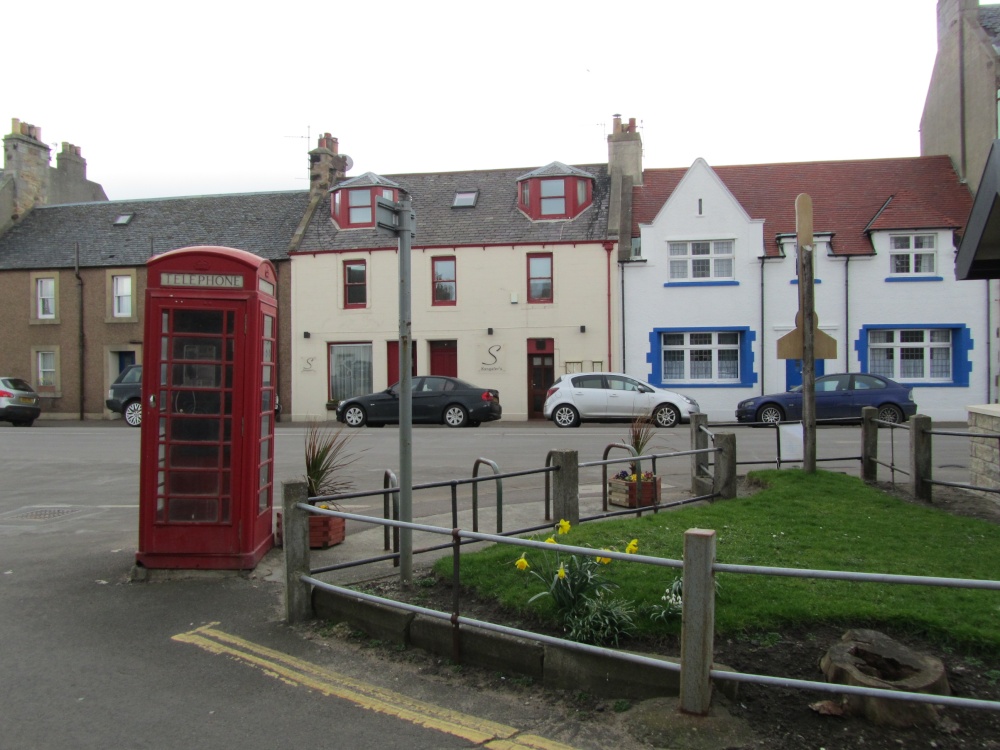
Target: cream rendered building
(514,281)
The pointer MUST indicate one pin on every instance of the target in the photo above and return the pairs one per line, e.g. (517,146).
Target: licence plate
(26,400)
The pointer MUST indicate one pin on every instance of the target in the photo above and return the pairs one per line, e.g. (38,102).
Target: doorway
(444,358)
(541,374)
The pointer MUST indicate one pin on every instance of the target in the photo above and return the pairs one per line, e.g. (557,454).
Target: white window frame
(908,251)
(700,360)
(45,370)
(45,292)
(121,291)
(702,260)
(897,353)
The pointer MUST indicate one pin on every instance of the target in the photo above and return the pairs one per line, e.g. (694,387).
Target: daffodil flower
(564,526)
(561,573)
(632,547)
(604,560)
(551,540)
(521,563)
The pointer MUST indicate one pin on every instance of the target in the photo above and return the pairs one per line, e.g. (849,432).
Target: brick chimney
(625,170)
(327,167)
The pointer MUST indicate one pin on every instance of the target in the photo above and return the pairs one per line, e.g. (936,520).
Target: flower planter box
(623,493)
(324,531)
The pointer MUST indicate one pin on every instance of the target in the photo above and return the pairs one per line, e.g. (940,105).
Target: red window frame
(532,299)
(439,280)
(529,197)
(352,286)
(340,205)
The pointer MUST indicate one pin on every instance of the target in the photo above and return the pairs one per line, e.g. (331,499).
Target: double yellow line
(294,671)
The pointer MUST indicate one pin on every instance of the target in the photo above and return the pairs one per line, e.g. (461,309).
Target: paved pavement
(92,660)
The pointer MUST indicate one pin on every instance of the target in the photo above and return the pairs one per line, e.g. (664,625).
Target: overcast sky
(196,98)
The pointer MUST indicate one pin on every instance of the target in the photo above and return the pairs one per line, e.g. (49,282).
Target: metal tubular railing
(475,494)
(457,620)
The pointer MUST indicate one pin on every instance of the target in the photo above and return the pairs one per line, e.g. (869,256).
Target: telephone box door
(192,440)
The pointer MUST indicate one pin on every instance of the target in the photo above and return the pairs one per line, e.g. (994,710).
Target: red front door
(192,448)
(444,358)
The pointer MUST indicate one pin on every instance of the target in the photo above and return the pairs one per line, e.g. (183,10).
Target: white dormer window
(912,254)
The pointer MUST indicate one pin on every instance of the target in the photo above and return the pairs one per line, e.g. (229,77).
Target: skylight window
(123,219)
(465,199)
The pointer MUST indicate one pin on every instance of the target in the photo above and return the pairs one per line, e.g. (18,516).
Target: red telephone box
(208,391)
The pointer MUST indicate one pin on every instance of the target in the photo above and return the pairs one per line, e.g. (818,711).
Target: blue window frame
(698,360)
(927,355)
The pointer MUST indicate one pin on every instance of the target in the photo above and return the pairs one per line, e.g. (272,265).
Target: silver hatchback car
(18,402)
(612,396)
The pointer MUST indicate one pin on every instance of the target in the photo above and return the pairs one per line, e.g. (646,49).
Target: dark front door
(541,375)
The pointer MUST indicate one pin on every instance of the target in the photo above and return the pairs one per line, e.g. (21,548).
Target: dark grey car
(125,395)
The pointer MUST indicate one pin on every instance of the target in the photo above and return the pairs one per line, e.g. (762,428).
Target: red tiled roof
(847,197)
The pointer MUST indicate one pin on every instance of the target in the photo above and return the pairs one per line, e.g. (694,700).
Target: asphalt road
(90,660)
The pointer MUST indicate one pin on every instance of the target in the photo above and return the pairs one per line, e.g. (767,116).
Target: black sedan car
(837,397)
(436,400)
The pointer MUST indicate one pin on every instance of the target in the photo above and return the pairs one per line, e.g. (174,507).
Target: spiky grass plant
(327,456)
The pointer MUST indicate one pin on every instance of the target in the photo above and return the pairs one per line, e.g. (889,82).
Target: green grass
(823,521)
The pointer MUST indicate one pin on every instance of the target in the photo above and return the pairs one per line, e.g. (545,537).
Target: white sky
(195,98)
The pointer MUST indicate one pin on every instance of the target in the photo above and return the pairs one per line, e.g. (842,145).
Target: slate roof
(849,198)
(260,223)
(494,220)
(989,19)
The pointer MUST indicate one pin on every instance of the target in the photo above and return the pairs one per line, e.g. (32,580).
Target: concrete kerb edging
(555,667)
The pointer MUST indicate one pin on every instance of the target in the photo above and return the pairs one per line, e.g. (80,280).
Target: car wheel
(890,413)
(456,416)
(355,416)
(666,416)
(133,413)
(770,414)
(24,423)
(566,416)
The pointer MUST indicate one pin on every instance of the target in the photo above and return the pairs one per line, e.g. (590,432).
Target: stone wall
(984,464)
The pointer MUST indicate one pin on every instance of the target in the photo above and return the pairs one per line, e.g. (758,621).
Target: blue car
(837,397)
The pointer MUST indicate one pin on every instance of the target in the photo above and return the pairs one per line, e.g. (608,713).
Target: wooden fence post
(701,482)
(869,444)
(566,486)
(921,463)
(725,465)
(295,544)
(697,621)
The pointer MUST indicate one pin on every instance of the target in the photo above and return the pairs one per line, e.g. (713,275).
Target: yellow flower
(632,547)
(551,540)
(564,526)
(521,563)
(561,572)
(604,560)
(323,506)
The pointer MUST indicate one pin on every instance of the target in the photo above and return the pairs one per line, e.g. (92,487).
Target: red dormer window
(551,198)
(355,207)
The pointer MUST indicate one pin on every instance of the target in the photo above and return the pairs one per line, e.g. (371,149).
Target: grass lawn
(823,521)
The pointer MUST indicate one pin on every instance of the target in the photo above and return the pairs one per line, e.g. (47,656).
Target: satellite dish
(348,163)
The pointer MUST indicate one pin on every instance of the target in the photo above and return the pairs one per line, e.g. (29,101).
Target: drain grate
(40,514)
